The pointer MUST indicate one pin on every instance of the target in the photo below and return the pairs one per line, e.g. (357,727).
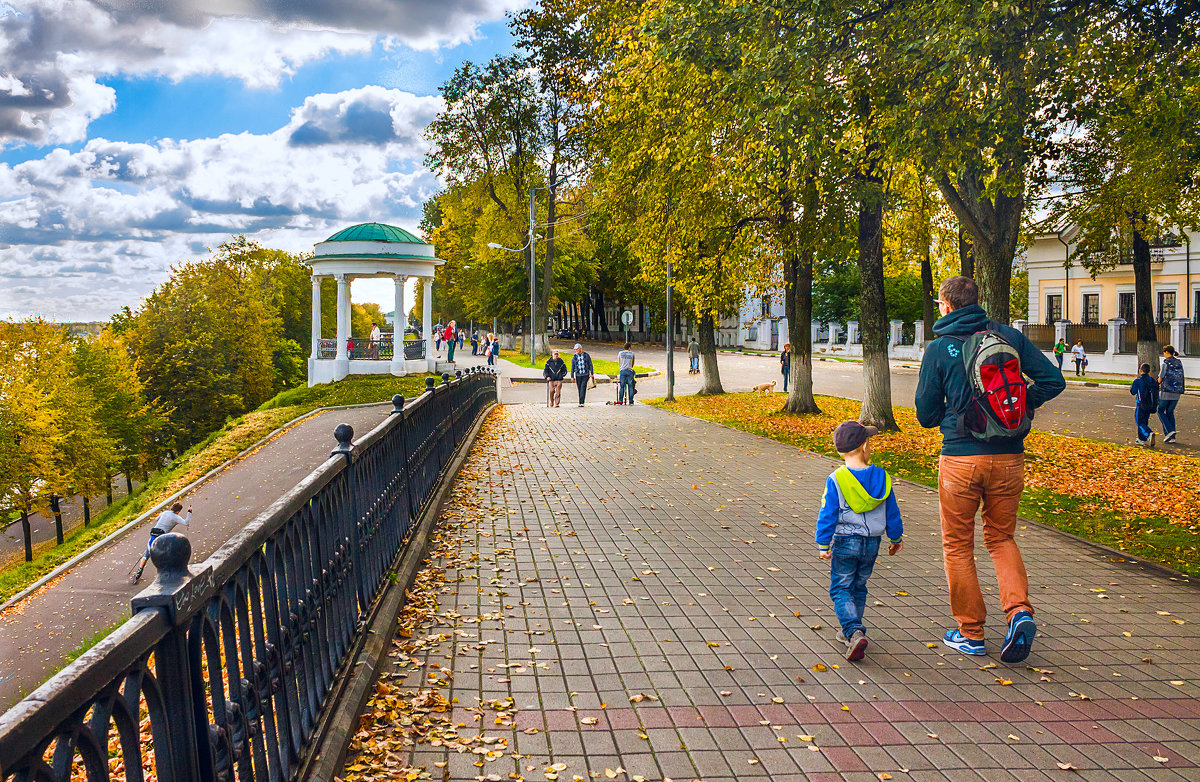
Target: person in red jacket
(450,336)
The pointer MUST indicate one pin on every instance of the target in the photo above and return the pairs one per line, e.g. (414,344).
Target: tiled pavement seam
(632,550)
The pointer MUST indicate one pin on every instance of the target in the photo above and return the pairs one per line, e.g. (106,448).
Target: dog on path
(764,388)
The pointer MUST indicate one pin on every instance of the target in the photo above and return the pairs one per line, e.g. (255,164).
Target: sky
(136,134)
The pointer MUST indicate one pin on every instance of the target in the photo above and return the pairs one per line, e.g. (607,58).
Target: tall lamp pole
(670,334)
(532,275)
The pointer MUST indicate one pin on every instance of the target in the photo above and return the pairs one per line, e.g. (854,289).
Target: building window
(1125,308)
(1091,308)
(1166,306)
(1053,308)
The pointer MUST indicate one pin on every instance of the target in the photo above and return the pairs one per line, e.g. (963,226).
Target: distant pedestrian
(1145,390)
(376,336)
(1060,348)
(492,348)
(983,456)
(859,508)
(785,364)
(438,331)
(625,360)
(582,372)
(166,521)
(450,337)
(462,335)
(555,372)
(1080,359)
(474,343)
(1171,387)
(694,357)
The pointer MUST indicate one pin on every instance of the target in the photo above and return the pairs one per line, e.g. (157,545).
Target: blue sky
(141,140)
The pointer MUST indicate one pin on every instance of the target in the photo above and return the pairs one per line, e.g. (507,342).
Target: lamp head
(494,246)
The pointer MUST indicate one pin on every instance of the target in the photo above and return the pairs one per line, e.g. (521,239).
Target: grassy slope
(232,439)
(1141,502)
(600,366)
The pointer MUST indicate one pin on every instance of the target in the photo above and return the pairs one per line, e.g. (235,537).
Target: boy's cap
(849,435)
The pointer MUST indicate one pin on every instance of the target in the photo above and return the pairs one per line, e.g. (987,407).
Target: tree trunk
(27,534)
(993,225)
(87,511)
(601,318)
(57,511)
(877,379)
(798,284)
(929,311)
(966,254)
(108,491)
(711,375)
(1143,302)
(129,481)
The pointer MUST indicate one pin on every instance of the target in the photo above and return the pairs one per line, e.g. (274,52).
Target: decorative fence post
(1020,325)
(834,330)
(919,333)
(895,330)
(1179,328)
(1116,333)
(1062,330)
(852,332)
(816,331)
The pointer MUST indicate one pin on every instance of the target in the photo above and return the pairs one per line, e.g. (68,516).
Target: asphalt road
(37,634)
(12,537)
(1101,413)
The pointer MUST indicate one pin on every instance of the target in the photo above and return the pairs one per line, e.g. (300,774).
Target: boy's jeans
(1166,414)
(853,559)
(1142,416)
(695,363)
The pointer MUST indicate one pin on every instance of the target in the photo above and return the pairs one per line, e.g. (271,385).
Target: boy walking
(1145,388)
(859,508)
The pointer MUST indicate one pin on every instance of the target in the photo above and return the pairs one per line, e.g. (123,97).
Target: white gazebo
(371,250)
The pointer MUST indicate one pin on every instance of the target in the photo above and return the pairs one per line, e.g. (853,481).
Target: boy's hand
(894,548)
(825,555)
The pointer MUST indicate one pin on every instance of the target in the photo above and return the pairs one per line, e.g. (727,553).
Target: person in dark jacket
(555,372)
(581,371)
(1170,388)
(785,364)
(973,472)
(1145,389)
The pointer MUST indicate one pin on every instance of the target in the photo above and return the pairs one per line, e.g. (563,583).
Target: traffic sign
(627,317)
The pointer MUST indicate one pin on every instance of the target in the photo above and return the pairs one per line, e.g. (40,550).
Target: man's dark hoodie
(943,389)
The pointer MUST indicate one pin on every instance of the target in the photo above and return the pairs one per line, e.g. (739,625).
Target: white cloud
(86,232)
(53,52)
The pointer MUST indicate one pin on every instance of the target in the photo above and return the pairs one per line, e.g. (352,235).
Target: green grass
(600,366)
(221,445)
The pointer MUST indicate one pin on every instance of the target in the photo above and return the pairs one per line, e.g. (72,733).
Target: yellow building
(1071,294)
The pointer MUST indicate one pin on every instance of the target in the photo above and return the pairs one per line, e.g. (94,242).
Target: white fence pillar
(1020,325)
(1060,329)
(895,328)
(1179,334)
(816,329)
(1116,327)
(834,330)
(919,333)
(852,332)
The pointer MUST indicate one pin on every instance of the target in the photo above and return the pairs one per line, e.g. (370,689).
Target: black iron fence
(381,349)
(1191,339)
(1128,339)
(1040,334)
(225,668)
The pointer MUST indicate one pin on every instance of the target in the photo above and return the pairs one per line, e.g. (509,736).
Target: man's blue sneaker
(1019,640)
(956,640)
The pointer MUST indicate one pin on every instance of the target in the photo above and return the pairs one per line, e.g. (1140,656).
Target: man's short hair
(959,291)
(627,346)
(1145,369)
(177,507)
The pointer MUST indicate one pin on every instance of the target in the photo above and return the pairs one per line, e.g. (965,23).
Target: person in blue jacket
(859,508)
(974,472)
(1145,389)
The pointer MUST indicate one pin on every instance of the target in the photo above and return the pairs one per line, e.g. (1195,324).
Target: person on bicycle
(166,521)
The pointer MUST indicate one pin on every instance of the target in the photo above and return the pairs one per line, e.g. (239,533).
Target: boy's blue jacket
(854,507)
(1145,388)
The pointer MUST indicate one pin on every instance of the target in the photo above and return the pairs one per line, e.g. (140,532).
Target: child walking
(859,508)
(1145,388)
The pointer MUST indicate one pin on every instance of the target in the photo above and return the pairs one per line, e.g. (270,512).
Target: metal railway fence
(225,668)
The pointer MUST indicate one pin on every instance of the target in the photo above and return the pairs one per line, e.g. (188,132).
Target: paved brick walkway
(644,588)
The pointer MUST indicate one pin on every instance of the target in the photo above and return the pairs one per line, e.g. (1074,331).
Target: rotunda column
(342,365)
(399,321)
(316,317)
(427,323)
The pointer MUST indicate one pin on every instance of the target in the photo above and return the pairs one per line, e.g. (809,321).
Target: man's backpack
(1172,376)
(996,407)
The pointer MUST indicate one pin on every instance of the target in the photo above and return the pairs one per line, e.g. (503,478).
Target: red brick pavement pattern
(628,551)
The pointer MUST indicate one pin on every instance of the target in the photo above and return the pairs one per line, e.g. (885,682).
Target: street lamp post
(529,244)
(670,334)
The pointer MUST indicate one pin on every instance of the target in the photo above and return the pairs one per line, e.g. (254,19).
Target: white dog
(765,388)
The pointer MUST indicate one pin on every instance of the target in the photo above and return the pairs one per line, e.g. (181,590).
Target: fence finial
(344,434)
(428,384)
(398,403)
(171,554)
(445,378)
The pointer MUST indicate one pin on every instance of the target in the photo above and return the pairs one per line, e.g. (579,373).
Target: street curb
(599,378)
(339,718)
(117,534)
(1128,559)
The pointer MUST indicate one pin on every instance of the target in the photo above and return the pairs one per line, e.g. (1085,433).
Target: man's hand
(825,555)
(894,548)
(189,510)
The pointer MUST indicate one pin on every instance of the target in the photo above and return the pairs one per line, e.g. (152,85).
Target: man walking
(581,371)
(625,375)
(694,357)
(554,372)
(974,471)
